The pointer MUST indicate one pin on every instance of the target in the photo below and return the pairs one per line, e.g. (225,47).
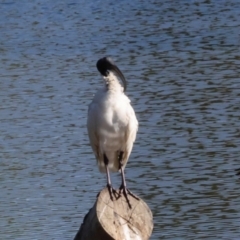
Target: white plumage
(112,124)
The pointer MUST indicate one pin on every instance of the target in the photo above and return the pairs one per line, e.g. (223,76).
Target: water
(181,60)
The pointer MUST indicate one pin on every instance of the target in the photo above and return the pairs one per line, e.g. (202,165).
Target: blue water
(181,60)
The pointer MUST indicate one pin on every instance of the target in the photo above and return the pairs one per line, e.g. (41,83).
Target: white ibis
(112,124)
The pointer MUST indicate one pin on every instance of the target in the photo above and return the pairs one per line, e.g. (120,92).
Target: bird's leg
(109,184)
(123,188)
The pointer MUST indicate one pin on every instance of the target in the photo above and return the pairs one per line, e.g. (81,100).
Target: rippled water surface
(181,60)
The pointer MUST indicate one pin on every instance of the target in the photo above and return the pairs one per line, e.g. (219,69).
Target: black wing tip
(104,65)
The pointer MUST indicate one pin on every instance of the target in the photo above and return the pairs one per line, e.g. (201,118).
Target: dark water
(181,59)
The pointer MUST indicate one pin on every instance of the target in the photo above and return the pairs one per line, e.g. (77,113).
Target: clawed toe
(126,191)
(123,190)
(112,192)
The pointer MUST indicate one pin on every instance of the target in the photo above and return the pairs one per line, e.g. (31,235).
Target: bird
(112,124)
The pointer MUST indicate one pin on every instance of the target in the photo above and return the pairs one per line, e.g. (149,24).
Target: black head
(105,65)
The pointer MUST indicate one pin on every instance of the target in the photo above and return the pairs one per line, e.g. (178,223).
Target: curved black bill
(106,64)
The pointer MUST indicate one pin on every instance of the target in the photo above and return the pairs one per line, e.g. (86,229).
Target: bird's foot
(123,190)
(112,192)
